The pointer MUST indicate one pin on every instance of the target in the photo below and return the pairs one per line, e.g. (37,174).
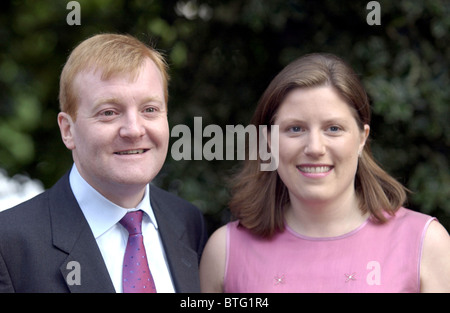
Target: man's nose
(132,126)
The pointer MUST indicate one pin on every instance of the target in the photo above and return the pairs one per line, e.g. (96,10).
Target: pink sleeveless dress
(372,258)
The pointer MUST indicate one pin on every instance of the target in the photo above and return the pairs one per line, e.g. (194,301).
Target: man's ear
(66,127)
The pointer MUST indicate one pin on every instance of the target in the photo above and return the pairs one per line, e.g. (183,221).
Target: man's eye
(150,110)
(108,113)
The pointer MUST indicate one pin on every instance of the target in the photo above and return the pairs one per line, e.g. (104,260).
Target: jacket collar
(183,261)
(72,235)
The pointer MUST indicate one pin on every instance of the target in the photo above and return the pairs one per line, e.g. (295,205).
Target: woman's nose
(314,145)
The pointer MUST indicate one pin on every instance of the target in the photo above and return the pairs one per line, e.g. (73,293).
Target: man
(73,238)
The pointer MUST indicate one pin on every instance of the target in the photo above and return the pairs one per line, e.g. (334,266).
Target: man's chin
(133,180)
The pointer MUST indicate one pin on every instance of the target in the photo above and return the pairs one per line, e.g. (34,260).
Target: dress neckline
(348,234)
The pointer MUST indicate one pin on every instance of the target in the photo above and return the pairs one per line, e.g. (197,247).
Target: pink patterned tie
(135,273)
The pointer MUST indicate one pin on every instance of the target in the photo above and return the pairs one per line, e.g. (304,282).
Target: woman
(329,219)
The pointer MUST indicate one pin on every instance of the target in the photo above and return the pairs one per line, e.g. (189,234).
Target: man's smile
(128,152)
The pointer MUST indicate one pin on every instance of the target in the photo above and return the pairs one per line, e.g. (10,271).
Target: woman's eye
(334,129)
(295,129)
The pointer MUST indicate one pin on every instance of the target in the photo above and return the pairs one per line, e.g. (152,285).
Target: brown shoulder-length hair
(259,197)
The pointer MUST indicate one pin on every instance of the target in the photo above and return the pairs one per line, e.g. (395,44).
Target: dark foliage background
(222,56)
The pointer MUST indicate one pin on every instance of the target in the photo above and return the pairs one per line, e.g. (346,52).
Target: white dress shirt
(103,217)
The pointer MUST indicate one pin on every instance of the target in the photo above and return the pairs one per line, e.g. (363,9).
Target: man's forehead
(101,74)
(92,85)
(118,70)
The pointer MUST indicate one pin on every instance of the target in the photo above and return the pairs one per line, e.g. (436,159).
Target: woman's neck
(324,219)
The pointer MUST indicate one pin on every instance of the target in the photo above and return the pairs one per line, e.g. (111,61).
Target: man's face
(120,138)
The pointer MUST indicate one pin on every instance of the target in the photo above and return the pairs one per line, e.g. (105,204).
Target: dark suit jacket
(39,237)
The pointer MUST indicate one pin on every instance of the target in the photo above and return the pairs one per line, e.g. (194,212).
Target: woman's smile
(315,171)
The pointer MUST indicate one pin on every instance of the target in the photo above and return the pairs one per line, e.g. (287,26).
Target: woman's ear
(66,126)
(364,136)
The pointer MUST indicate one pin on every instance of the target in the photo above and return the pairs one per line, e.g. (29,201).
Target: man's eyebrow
(117,101)
(152,99)
(111,100)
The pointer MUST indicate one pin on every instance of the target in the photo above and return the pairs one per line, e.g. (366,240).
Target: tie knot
(132,222)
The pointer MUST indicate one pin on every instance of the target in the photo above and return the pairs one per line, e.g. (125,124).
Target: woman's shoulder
(404,224)
(219,235)
(410,217)
(213,262)
(435,268)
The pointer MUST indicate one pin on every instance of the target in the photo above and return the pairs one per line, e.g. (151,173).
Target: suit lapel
(183,261)
(72,235)
(84,269)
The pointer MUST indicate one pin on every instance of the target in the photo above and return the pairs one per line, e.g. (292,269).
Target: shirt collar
(100,213)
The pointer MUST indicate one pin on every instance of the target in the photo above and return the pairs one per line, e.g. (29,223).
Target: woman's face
(319,145)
